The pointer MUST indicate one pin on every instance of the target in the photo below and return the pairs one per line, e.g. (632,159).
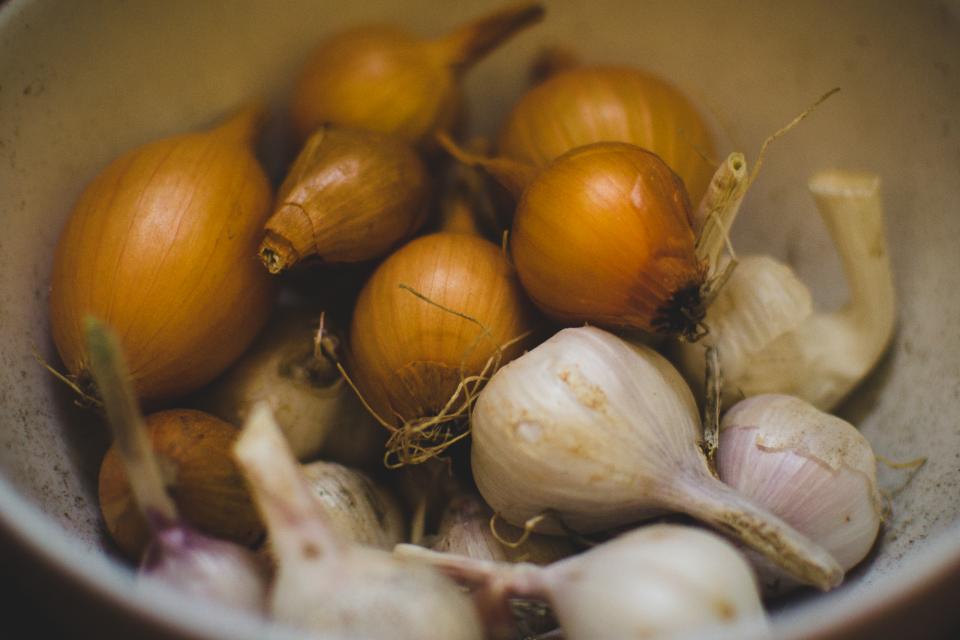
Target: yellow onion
(195,454)
(444,307)
(605,235)
(580,105)
(162,247)
(386,79)
(350,196)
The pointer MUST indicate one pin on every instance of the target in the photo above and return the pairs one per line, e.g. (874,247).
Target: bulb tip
(276,253)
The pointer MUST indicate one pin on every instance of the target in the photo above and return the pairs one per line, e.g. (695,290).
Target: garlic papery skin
(197,565)
(319,413)
(465,529)
(358,508)
(326,585)
(598,433)
(818,356)
(814,470)
(753,323)
(655,582)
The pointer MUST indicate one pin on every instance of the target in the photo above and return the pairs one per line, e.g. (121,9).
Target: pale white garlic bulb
(465,529)
(767,335)
(358,508)
(591,431)
(318,411)
(655,582)
(327,585)
(814,470)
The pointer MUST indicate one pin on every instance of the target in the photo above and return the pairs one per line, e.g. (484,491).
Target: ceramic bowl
(81,82)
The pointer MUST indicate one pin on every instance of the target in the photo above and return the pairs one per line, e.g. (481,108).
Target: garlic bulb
(762,323)
(814,470)
(465,530)
(599,433)
(359,509)
(654,582)
(318,411)
(326,585)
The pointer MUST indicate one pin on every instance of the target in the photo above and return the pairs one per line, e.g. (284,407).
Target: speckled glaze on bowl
(82,82)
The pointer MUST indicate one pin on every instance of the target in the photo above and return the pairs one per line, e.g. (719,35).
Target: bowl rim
(112,583)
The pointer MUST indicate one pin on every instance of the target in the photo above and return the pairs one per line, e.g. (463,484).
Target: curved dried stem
(528,528)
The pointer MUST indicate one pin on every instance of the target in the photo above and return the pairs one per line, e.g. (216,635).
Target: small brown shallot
(351,195)
(435,319)
(383,78)
(582,104)
(176,555)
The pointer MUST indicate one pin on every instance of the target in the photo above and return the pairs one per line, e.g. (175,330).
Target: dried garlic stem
(110,372)
(719,207)
(848,343)
(707,499)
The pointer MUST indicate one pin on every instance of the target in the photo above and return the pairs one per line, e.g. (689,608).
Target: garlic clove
(466,529)
(600,433)
(359,509)
(814,470)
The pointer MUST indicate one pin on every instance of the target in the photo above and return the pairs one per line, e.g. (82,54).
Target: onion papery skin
(596,103)
(162,247)
(604,236)
(408,355)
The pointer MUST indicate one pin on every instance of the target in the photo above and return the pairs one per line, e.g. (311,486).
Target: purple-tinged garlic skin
(197,565)
(601,433)
(814,470)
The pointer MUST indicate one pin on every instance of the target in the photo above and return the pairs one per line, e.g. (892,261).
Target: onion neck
(466,45)
(719,207)
(513,175)
(704,497)
(244,126)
